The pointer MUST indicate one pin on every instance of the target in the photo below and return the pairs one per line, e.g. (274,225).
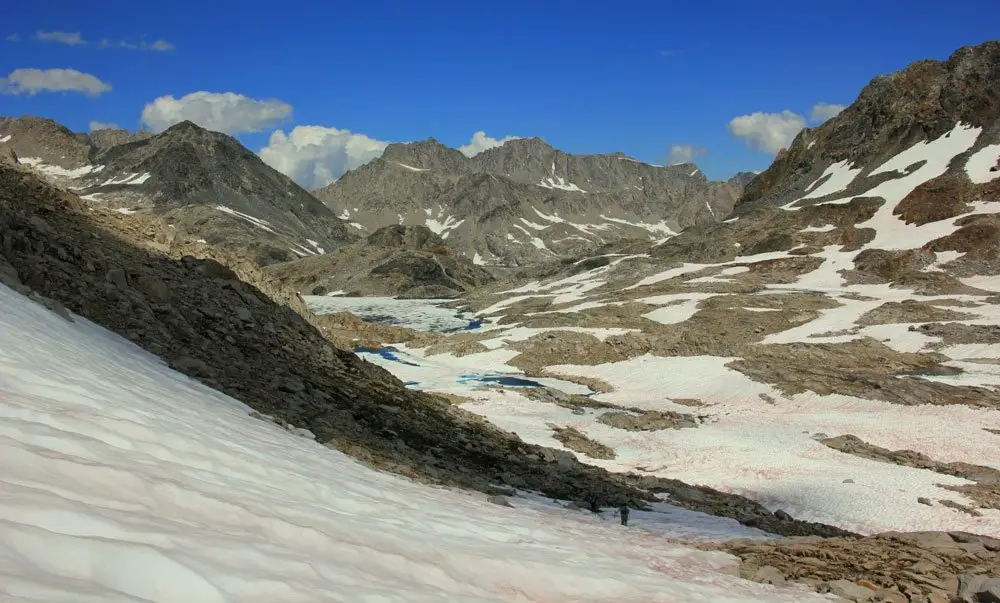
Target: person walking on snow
(623,511)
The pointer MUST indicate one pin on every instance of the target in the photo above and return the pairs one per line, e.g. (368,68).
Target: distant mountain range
(524,201)
(521,203)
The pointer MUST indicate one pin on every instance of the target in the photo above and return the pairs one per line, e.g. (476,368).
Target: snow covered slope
(123,481)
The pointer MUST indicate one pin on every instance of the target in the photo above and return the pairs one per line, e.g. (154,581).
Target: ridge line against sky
(725,86)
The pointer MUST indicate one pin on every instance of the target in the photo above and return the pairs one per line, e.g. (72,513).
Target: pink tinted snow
(124,481)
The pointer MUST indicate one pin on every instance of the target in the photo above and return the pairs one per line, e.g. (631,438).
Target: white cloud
(683,153)
(223,112)
(768,132)
(75,38)
(481,142)
(824,111)
(100,125)
(33,81)
(13,38)
(158,45)
(60,37)
(314,156)
(161,46)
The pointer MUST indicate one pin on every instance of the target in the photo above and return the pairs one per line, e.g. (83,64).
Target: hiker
(594,507)
(623,511)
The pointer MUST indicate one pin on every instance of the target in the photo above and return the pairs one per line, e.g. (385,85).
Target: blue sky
(588,77)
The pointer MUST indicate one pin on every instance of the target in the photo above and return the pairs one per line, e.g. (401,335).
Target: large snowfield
(121,480)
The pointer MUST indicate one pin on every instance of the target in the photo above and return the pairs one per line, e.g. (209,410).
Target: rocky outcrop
(407,261)
(577,441)
(649,420)
(40,140)
(893,567)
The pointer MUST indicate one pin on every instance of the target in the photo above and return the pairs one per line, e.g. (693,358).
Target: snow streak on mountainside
(525,201)
(124,482)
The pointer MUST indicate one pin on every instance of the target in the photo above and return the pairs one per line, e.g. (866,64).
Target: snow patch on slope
(442,228)
(558,182)
(981,162)
(839,176)
(57,171)
(262,224)
(411,168)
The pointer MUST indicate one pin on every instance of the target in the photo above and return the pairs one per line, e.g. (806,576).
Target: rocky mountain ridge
(892,113)
(526,202)
(210,187)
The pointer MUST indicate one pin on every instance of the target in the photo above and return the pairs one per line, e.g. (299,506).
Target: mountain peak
(531,143)
(426,154)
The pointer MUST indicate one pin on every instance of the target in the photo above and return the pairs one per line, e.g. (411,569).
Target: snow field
(766,450)
(124,481)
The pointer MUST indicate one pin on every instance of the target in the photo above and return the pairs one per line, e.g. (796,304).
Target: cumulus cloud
(100,125)
(768,132)
(481,142)
(314,156)
(683,153)
(223,112)
(33,81)
(824,111)
(71,38)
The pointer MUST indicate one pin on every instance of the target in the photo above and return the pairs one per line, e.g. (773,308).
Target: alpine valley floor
(773,356)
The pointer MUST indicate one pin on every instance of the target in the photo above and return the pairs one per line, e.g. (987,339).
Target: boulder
(154,288)
(498,499)
(191,366)
(850,591)
(978,589)
(118,278)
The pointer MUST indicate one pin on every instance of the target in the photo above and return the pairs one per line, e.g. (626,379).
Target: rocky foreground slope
(526,202)
(206,184)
